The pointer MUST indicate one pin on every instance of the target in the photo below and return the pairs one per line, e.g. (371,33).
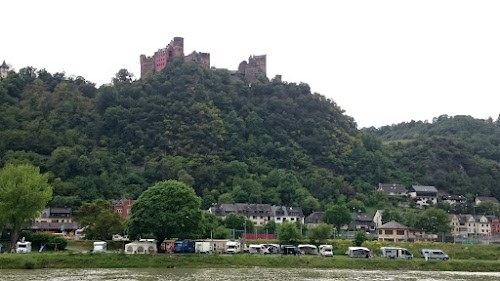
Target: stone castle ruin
(251,70)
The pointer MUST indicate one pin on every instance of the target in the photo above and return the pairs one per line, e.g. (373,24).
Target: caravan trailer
(100,247)
(358,252)
(233,247)
(23,247)
(395,253)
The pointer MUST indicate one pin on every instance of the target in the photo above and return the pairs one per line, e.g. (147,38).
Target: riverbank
(111,260)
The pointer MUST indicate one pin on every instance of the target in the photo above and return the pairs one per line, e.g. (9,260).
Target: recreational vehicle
(395,253)
(326,250)
(358,252)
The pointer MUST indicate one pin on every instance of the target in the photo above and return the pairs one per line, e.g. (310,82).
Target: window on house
(389,232)
(400,232)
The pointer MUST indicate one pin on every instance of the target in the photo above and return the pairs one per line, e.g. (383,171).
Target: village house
(377,218)
(423,195)
(258,214)
(393,231)
(58,220)
(362,221)
(392,189)
(470,225)
(480,199)
(314,219)
(454,199)
(283,214)
(122,207)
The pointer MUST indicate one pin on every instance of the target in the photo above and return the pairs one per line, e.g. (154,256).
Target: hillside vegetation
(271,142)
(267,142)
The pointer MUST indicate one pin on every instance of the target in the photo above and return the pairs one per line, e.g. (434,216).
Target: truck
(395,253)
(233,247)
(183,246)
(202,247)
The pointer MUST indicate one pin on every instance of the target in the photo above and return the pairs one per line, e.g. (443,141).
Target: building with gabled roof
(394,231)
(423,195)
(392,189)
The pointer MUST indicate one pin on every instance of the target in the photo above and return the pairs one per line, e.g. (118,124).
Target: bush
(50,240)
(29,264)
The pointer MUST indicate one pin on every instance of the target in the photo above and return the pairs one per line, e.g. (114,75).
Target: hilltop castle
(164,56)
(255,67)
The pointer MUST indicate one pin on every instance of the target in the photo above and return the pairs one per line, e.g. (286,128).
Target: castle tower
(147,65)
(178,46)
(4,70)
(255,67)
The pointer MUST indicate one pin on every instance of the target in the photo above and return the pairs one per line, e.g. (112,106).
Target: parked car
(433,254)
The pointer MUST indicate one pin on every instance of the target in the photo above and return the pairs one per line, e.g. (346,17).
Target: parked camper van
(289,250)
(326,250)
(233,247)
(257,249)
(100,247)
(433,254)
(395,253)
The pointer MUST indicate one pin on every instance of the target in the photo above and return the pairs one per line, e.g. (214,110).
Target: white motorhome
(358,252)
(326,250)
(23,247)
(395,253)
(100,247)
(233,247)
(202,247)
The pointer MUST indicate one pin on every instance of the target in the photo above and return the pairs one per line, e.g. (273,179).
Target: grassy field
(109,260)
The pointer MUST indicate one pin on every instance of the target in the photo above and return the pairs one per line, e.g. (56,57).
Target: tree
(359,238)
(123,76)
(391,215)
(338,216)
(433,220)
(288,233)
(24,193)
(98,220)
(167,209)
(320,232)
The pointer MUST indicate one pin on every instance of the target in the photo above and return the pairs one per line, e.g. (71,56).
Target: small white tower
(4,70)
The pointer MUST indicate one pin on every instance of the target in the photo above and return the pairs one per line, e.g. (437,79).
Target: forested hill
(267,142)
(458,154)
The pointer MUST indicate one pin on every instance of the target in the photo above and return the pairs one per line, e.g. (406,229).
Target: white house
(283,214)
(423,195)
(377,218)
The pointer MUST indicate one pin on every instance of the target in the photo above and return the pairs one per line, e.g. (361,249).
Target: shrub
(50,240)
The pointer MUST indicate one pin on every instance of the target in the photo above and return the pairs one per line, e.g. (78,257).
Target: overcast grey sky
(383,62)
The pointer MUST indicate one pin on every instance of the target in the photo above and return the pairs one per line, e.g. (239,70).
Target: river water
(240,274)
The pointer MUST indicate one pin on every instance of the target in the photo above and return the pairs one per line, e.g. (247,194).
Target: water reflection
(240,274)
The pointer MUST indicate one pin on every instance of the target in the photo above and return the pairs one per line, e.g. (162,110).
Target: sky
(383,62)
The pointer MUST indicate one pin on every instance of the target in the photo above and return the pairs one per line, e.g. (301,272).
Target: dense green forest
(458,154)
(266,142)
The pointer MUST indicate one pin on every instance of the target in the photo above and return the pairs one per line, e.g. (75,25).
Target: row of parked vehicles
(233,247)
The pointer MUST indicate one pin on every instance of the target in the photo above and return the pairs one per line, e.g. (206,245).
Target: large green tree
(320,233)
(337,215)
(98,220)
(288,233)
(433,220)
(24,193)
(167,209)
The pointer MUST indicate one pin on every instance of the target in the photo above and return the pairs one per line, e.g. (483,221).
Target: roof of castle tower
(4,65)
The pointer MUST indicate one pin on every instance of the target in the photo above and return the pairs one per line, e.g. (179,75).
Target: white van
(395,253)
(433,254)
(326,250)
